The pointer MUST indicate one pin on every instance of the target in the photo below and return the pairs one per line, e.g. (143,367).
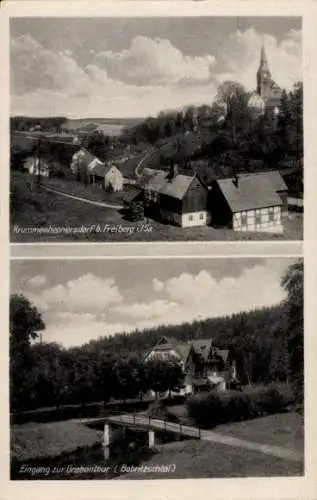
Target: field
(32,208)
(110,126)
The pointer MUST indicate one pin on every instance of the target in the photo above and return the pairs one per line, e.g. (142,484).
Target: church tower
(263,76)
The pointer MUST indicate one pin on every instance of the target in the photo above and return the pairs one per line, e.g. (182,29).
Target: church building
(266,88)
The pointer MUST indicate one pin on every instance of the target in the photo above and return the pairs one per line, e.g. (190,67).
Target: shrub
(136,211)
(214,407)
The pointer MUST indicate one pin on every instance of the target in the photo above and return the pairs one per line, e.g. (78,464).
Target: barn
(176,198)
(246,203)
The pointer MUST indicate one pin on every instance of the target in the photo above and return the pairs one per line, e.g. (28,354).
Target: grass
(41,440)
(285,430)
(90,192)
(201,459)
(31,206)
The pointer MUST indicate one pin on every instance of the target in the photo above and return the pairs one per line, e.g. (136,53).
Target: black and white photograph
(156,368)
(149,129)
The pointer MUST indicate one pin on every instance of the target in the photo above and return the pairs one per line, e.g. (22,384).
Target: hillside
(260,334)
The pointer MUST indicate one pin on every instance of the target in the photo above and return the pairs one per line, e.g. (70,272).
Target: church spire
(263,75)
(263,60)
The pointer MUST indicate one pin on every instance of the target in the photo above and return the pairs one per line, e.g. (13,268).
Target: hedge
(213,408)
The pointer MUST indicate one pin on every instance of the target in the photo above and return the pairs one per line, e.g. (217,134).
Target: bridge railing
(154,423)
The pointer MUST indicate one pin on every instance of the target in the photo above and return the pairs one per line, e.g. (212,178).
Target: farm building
(35,166)
(177,198)
(203,364)
(247,203)
(95,171)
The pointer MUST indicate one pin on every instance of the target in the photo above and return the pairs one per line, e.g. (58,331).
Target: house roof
(176,187)
(84,153)
(132,193)
(275,178)
(223,353)
(183,349)
(97,167)
(253,191)
(202,346)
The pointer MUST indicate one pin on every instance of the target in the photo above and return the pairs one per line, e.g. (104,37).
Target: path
(84,200)
(147,156)
(140,165)
(205,435)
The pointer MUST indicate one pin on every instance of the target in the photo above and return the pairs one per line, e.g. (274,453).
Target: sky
(136,67)
(81,300)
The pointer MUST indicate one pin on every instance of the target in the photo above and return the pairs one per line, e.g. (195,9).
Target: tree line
(267,345)
(232,134)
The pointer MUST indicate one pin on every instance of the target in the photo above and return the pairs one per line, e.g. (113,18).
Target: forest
(267,344)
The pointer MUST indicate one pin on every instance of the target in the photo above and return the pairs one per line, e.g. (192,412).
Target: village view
(214,395)
(229,169)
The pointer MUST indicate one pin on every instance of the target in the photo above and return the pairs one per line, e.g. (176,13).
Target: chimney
(173,170)
(236,180)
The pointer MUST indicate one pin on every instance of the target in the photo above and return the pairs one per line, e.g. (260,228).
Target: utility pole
(38,161)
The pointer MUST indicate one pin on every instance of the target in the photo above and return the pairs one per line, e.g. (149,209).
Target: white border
(280,488)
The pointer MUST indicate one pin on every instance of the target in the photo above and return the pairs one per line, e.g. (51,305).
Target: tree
(98,144)
(25,323)
(137,211)
(290,121)
(164,375)
(292,282)
(233,98)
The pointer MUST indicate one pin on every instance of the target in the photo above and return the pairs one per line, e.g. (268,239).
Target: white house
(36,166)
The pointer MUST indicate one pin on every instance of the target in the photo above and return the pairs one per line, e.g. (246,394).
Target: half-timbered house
(246,203)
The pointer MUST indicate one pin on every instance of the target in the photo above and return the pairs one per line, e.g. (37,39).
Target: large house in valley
(176,198)
(248,202)
(204,365)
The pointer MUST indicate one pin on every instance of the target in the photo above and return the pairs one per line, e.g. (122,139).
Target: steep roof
(253,191)
(183,349)
(176,187)
(202,346)
(223,353)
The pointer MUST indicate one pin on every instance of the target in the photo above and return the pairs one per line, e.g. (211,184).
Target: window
(258,218)
(202,216)
(190,218)
(271,214)
(243,219)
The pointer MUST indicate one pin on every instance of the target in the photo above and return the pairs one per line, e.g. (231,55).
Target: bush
(214,407)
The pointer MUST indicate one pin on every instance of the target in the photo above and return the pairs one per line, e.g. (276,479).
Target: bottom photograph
(156,368)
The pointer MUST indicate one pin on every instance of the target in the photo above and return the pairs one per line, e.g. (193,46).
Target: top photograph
(156,129)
